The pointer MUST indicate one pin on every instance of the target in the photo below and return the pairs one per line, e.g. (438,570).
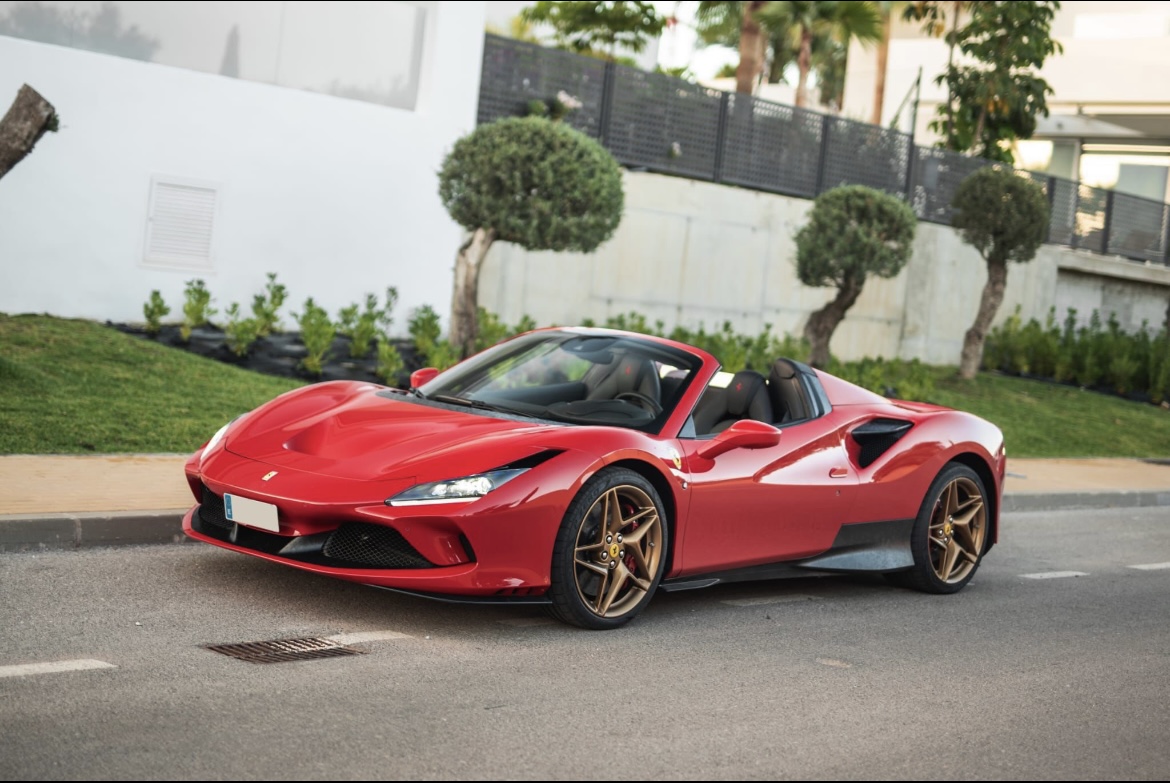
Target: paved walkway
(62,501)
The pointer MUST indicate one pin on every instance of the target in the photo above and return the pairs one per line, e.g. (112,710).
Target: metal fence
(655,122)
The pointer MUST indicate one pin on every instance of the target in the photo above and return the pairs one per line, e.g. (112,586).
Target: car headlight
(215,439)
(455,490)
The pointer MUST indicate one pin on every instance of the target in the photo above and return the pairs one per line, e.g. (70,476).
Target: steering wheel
(647,402)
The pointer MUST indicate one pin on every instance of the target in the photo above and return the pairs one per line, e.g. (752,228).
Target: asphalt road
(826,678)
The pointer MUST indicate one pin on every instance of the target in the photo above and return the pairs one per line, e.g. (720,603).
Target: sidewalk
(52,502)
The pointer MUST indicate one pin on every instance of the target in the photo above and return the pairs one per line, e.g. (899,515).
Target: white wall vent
(180,227)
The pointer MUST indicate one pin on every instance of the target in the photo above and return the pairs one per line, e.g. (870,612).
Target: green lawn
(78,387)
(1041,419)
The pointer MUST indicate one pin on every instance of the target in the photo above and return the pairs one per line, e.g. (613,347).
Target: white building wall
(697,254)
(338,197)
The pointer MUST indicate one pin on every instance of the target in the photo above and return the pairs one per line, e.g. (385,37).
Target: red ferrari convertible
(586,469)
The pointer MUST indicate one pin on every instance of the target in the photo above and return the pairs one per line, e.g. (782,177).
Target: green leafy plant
(241,333)
(389,365)
(154,311)
(366,328)
(853,231)
(317,333)
(423,326)
(1005,218)
(266,306)
(539,184)
(197,307)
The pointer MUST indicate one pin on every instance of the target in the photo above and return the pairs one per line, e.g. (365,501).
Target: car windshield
(572,377)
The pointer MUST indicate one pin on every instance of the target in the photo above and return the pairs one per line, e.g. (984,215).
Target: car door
(755,506)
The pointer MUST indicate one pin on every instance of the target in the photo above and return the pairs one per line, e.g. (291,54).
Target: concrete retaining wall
(695,253)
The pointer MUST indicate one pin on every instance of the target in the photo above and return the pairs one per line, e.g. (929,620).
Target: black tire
(950,533)
(604,575)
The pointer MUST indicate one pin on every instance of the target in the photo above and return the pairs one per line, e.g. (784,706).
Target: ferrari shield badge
(269,475)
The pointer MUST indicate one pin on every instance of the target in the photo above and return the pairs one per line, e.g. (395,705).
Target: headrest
(742,391)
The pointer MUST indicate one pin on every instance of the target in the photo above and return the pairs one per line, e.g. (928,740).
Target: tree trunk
(751,50)
(883,57)
(988,307)
(804,63)
(950,62)
(821,324)
(465,299)
(29,118)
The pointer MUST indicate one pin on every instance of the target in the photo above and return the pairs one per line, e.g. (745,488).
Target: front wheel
(610,551)
(950,532)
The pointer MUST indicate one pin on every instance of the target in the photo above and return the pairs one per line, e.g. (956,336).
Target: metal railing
(660,123)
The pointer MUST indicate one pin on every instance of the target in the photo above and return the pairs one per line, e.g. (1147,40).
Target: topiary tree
(530,181)
(1004,217)
(853,231)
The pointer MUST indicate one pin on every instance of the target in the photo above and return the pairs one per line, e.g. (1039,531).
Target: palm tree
(721,23)
(808,19)
(886,8)
(735,24)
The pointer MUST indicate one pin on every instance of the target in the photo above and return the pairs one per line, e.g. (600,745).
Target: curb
(1070,501)
(44,532)
(39,532)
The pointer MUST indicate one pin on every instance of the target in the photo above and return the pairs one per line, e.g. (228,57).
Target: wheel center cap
(948,529)
(614,550)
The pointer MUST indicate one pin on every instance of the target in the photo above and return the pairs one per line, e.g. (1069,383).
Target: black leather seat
(627,374)
(786,393)
(746,397)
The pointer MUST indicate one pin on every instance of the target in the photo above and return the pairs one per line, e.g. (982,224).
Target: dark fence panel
(857,153)
(771,146)
(516,73)
(1062,196)
(664,124)
(937,174)
(1091,203)
(1137,228)
(660,123)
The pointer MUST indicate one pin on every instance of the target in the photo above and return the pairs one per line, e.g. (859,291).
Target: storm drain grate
(282,650)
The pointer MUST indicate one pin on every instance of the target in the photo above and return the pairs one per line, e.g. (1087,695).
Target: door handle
(838,472)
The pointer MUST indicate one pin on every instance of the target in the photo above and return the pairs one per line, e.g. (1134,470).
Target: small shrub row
(1097,355)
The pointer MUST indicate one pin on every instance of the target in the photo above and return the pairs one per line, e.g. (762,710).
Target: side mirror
(423,376)
(744,434)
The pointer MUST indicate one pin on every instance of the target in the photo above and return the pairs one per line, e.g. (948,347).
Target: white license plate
(252,513)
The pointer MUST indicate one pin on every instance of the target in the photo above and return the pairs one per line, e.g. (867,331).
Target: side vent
(181,224)
(875,438)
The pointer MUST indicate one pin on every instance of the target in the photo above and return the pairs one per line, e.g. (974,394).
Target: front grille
(372,546)
(211,510)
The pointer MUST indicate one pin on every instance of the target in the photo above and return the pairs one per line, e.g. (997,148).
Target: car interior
(779,399)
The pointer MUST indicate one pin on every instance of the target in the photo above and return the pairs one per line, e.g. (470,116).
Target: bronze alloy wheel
(951,533)
(958,528)
(610,552)
(619,546)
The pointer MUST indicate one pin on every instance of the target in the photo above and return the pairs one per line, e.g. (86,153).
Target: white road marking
(367,636)
(527,622)
(23,669)
(1151,566)
(773,599)
(834,663)
(1053,574)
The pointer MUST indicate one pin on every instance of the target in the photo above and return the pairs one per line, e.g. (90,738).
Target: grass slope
(76,387)
(1041,419)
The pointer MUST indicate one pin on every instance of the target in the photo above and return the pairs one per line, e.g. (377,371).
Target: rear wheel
(950,533)
(610,551)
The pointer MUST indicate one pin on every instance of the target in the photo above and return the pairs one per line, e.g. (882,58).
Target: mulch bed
(281,354)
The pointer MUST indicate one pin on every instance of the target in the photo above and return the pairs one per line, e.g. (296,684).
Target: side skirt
(867,547)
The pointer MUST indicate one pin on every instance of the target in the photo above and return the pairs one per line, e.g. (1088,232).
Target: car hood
(361,431)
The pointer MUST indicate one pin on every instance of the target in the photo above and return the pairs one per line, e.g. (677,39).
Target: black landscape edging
(281,354)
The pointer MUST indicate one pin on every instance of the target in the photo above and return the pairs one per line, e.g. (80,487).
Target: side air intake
(875,438)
